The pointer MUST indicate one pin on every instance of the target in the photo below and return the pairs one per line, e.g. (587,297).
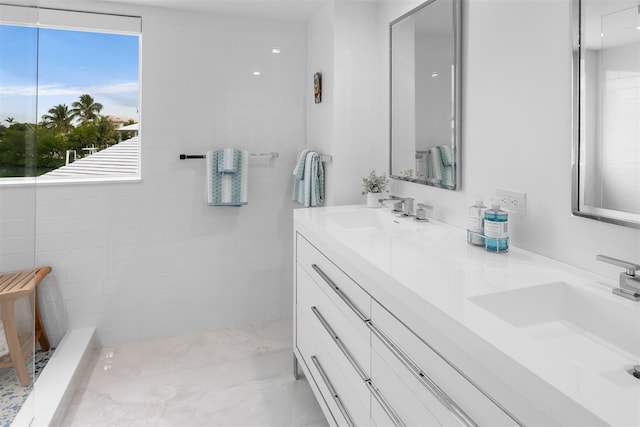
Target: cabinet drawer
(465,399)
(414,406)
(330,324)
(346,294)
(342,389)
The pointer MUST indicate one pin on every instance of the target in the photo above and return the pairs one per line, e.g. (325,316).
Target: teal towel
(228,160)
(435,166)
(298,171)
(446,155)
(224,187)
(308,179)
(441,166)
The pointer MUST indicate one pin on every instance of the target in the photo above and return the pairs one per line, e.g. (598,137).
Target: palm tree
(59,119)
(105,132)
(10,120)
(86,109)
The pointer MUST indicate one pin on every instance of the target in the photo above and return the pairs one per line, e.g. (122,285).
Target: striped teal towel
(228,160)
(447,155)
(308,179)
(435,166)
(224,186)
(441,166)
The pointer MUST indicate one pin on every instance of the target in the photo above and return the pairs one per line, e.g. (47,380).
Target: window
(69,96)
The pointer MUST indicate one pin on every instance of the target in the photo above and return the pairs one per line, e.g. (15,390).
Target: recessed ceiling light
(275,50)
(434,74)
(256,73)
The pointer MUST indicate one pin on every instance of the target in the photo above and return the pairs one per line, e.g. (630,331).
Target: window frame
(74,20)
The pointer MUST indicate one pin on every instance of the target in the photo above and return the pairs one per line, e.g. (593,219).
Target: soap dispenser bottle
(496,229)
(475,223)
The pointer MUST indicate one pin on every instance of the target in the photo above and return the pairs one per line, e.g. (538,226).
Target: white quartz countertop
(430,266)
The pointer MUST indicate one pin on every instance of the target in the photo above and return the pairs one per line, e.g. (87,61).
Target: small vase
(372,200)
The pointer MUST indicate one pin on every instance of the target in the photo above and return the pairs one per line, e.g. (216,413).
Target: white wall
(359,147)
(343,43)
(320,116)
(142,260)
(516,129)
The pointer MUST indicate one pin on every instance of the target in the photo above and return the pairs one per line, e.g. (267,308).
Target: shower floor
(12,394)
(237,375)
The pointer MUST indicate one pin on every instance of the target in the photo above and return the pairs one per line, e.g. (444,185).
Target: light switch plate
(512,201)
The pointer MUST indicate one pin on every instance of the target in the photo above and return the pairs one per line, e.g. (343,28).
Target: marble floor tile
(245,379)
(145,358)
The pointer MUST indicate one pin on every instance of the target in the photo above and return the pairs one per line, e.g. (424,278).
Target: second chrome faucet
(629,283)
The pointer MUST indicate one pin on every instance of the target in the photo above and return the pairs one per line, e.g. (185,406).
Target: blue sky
(69,63)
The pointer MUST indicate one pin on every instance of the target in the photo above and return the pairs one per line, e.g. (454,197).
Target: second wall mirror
(606,129)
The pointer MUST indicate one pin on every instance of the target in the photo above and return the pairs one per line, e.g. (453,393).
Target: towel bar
(272,155)
(252,155)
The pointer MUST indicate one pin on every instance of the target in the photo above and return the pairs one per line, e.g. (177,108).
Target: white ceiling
(288,10)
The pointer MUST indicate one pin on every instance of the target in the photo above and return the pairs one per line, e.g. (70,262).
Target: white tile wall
(150,259)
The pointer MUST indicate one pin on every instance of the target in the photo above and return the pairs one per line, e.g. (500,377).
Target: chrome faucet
(421,212)
(403,205)
(629,286)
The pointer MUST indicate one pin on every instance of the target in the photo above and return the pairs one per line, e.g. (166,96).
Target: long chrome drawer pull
(386,406)
(340,344)
(335,396)
(340,293)
(424,379)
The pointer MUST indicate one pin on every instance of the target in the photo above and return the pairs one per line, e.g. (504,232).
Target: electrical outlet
(512,201)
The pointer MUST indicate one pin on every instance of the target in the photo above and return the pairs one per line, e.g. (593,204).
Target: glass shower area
(18,129)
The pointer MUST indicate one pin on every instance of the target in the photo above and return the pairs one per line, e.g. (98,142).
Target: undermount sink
(373,220)
(563,313)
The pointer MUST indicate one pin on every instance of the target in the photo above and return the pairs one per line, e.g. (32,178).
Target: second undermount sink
(563,313)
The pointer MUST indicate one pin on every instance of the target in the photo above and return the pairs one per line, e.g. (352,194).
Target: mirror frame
(599,214)
(455,96)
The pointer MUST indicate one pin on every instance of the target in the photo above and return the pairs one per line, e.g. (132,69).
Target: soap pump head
(495,205)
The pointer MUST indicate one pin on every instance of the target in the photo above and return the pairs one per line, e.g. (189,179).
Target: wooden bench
(13,286)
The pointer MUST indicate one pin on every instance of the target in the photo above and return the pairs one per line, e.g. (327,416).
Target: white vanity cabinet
(406,365)
(413,326)
(332,341)
(365,366)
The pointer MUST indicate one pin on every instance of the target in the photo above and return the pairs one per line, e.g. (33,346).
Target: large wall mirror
(425,105)
(606,154)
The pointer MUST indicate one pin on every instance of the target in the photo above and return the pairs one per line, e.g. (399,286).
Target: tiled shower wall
(148,259)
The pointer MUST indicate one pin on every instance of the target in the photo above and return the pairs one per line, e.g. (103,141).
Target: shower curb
(54,390)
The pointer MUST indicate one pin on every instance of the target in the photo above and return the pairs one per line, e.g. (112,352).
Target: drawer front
(415,406)
(384,413)
(350,298)
(466,402)
(342,389)
(379,417)
(331,325)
